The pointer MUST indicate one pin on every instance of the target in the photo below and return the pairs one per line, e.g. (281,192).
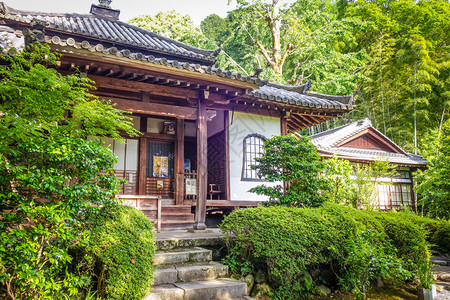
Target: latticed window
(253,148)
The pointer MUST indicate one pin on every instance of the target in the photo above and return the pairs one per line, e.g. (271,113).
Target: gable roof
(116,32)
(337,141)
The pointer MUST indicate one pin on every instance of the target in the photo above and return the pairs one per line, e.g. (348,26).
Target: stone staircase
(185,270)
(441,270)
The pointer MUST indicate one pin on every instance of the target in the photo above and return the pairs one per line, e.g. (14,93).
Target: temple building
(201,126)
(361,143)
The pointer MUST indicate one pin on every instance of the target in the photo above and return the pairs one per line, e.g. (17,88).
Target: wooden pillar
(227,154)
(142,175)
(142,166)
(179,163)
(284,121)
(202,163)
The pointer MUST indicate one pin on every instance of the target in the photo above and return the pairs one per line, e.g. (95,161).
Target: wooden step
(176,209)
(177,217)
(168,201)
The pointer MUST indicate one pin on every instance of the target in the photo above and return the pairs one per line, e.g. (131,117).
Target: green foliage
(50,175)
(438,231)
(120,253)
(425,275)
(294,161)
(407,75)
(291,244)
(434,183)
(356,184)
(173,25)
(339,171)
(369,257)
(291,41)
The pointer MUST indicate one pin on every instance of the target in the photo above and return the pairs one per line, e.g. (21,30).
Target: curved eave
(194,71)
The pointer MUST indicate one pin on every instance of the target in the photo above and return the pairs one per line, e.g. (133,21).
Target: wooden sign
(191,186)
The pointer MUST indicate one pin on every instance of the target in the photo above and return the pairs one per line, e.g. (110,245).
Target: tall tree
(172,25)
(52,178)
(291,41)
(407,84)
(434,183)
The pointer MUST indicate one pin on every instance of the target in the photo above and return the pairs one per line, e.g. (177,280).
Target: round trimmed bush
(121,253)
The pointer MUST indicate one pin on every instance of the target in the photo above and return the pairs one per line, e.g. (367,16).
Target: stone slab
(165,292)
(209,271)
(163,276)
(182,238)
(219,289)
(196,254)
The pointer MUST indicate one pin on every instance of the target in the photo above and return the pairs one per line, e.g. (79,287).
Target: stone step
(190,272)
(167,240)
(440,260)
(218,289)
(183,255)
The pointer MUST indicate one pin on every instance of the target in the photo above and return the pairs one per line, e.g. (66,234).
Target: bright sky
(197,9)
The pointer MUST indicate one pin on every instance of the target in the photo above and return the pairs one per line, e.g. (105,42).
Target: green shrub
(441,237)
(122,249)
(369,256)
(438,231)
(291,244)
(293,160)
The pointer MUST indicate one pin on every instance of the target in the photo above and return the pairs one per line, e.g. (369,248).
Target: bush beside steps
(304,251)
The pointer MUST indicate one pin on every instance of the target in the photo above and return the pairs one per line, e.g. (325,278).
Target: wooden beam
(297,122)
(202,165)
(147,108)
(155,89)
(179,163)
(108,61)
(312,120)
(142,176)
(226,121)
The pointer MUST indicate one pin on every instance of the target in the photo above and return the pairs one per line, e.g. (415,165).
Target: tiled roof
(284,95)
(113,31)
(112,37)
(10,39)
(327,141)
(333,137)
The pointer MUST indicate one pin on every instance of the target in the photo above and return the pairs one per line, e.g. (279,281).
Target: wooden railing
(149,205)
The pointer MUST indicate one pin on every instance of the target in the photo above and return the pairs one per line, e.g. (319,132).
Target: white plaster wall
(241,125)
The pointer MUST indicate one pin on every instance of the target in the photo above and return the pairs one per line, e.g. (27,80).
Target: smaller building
(360,142)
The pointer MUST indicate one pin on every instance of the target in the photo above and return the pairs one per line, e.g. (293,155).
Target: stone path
(441,273)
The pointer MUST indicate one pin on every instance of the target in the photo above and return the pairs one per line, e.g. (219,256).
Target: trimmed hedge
(438,231)
(293,244)
(121,252)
